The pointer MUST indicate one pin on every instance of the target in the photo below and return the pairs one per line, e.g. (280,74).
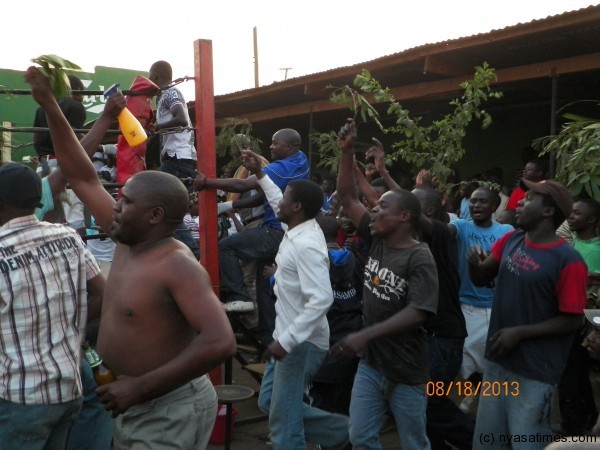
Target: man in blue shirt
(258,243)
(476,301)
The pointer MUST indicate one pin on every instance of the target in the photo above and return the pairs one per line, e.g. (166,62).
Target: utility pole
(255,37)
(286,71)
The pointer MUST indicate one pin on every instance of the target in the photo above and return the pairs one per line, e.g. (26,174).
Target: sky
(305,36)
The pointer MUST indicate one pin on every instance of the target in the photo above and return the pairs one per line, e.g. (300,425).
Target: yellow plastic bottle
(132,129)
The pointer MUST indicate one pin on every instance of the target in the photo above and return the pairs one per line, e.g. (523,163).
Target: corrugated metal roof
(441,46)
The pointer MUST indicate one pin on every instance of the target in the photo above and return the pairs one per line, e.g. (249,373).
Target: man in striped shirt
(43,310)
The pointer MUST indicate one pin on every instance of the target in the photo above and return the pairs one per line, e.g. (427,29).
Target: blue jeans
(371,399)
(291,421)
(525,411)
(36,427)
(92,428)
(445,422)
(253,244)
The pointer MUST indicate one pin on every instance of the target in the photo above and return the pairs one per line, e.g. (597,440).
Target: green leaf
(53,67)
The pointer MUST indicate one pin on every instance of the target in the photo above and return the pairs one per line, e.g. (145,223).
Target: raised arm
(92,140)
(73,160)
(346,183)
(369,194)
(378,154)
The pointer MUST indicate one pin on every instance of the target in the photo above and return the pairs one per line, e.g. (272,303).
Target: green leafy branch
(358,104)
(437,146)
(329,151)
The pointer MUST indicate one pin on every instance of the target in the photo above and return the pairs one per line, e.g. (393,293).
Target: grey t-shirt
(395,278)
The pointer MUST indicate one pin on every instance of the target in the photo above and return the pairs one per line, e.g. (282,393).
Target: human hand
(41,91)
(269,270)
(120,395)
(351,245)
(114,105)
(276,351)
(200,181)
(347,136)
(252,162)
(370,170)
(503,341)
(424,179)
(476,255)
(350,346)
(377,154)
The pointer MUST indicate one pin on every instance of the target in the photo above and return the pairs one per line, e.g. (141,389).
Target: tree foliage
(436,146)
(577,152)
(230,138)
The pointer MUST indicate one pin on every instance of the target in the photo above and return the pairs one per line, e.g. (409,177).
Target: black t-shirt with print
(395,278)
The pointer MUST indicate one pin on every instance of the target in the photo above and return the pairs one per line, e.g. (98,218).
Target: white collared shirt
(302,283)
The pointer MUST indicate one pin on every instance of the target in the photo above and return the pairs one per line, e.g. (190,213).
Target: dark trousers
(181,168)
(253,244)
(445,422)
(575,395)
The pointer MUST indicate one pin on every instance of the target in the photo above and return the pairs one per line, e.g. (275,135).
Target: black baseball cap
(20,186)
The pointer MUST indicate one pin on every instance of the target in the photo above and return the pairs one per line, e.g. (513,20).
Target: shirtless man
(162,326)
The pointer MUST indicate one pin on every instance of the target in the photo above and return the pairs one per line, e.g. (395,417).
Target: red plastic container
(218,433)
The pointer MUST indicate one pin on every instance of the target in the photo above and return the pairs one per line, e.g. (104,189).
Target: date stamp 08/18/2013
(473,388)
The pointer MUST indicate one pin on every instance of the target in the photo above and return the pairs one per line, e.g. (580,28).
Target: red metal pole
(207,163)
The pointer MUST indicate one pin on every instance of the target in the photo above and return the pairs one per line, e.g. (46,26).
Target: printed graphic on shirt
(520,260)
(13,260)
(383,282)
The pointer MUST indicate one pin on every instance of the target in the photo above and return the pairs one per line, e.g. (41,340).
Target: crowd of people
(459,317)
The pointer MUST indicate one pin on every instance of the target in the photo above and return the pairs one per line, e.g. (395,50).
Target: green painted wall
(20,109)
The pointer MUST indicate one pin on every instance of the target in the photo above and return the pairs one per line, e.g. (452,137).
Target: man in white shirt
(301,337)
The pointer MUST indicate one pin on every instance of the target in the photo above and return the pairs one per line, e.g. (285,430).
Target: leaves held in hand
(55,67)
(437,146)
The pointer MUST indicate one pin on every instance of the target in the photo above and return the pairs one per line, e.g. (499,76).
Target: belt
(166,157)
(48,157)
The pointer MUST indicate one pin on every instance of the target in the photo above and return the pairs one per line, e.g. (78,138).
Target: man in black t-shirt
(400,292)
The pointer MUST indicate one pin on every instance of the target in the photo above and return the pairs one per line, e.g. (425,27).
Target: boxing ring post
(207,163)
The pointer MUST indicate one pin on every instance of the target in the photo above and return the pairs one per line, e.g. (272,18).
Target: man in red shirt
(535,171)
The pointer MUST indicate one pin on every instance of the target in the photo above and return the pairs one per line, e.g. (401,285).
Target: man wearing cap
(540,296)
(43,311)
